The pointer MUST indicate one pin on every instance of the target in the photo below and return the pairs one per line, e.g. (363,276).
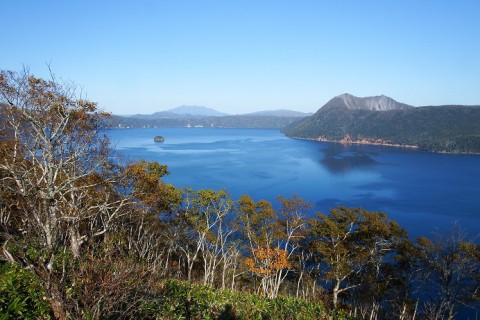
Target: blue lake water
(422,191)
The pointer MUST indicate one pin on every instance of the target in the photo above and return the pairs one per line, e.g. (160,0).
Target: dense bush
(20,295)
(182,300)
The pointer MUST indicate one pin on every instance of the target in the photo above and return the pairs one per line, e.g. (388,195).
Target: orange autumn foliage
(267,261)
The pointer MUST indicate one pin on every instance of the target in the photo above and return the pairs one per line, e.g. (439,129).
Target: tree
(61,197)
(292,230)
(472,252)
(148,231)
(272,238)
(379,279)
(447,273)
(348,241)
(204,230)
(268,263)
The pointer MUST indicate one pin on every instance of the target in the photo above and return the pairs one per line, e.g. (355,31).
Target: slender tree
(351,242)
(272,238)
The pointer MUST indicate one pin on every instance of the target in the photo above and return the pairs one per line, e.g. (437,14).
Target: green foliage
(352,243)
(181,300)
(21,296)
(256,221)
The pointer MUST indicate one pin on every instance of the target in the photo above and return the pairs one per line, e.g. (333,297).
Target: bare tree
(59,187)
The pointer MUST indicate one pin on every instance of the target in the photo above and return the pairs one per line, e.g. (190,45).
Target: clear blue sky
(239,56)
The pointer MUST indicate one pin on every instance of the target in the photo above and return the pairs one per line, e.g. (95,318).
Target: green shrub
(20,294)
(181,300)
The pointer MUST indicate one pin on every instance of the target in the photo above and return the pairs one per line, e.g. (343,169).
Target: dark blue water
(422,191)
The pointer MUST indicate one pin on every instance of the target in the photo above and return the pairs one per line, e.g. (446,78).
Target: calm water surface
(422,191)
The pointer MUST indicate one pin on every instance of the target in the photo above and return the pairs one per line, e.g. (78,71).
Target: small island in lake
(159,139)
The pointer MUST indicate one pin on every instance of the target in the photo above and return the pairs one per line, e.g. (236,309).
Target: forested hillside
(84,236)
(434,128)
(239,121)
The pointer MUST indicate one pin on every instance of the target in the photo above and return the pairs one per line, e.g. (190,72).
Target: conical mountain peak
(375,103)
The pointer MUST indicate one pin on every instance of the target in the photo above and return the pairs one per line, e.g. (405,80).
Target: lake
(422,191)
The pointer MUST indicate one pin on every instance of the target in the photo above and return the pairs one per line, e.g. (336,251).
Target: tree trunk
(336,291)
(57,305)
(75,243)
(298,283)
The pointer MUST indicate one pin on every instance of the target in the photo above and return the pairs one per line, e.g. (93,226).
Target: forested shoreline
(86,237)
(448,129)
(234,121)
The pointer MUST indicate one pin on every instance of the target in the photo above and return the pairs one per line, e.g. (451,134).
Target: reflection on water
(339,159)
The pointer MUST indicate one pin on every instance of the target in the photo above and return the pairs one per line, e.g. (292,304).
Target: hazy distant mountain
(196,111)
(182,112)
(382,120)
(157,115)
(279,113)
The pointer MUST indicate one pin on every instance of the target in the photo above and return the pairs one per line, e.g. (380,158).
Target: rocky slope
(377,103)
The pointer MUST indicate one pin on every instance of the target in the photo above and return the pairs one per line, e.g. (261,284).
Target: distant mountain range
(384,121)
(198,116)
(182,112)
(199,112)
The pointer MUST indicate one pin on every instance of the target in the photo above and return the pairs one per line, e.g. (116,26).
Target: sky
(240,56)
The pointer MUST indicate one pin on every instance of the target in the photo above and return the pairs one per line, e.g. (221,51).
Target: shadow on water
(340,159)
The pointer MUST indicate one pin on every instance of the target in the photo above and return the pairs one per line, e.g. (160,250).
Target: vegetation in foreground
(85,237)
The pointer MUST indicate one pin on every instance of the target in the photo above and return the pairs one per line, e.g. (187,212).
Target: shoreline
(382,144)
